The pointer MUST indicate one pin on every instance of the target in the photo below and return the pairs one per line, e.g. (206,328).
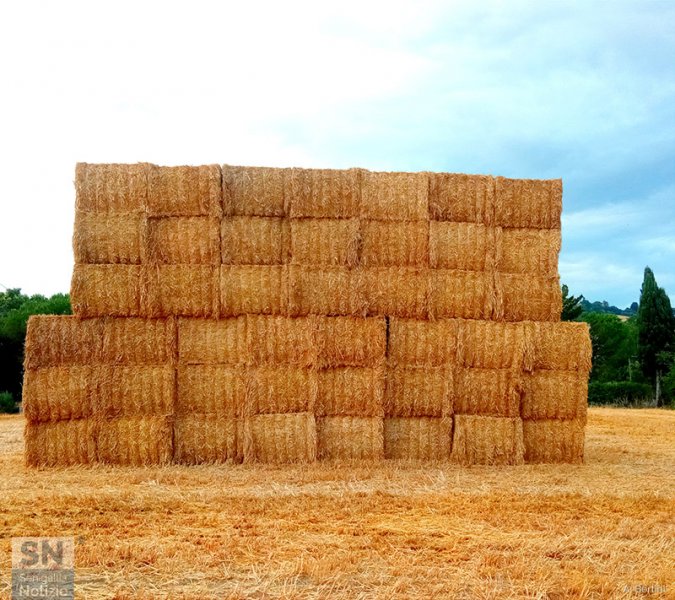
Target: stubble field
(601,530)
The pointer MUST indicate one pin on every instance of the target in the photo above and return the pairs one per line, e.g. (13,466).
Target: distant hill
(605,307)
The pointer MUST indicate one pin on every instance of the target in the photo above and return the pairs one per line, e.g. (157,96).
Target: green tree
(571,305)
(614,347)
(15,309)
(656,331)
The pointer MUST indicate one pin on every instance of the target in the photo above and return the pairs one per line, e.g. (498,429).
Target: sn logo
(42,553)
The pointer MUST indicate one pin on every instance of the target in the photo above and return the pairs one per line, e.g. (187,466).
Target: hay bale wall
(229,314)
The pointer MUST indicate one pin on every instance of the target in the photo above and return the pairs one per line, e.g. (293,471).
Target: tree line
(633,357)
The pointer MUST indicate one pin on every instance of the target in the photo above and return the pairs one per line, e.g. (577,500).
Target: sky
(584,91)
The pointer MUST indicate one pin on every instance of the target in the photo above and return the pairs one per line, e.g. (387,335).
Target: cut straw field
(604,529)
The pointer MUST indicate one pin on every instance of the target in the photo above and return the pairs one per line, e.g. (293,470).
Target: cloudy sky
(584,91)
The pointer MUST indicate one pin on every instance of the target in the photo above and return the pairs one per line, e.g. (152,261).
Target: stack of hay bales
(289,315)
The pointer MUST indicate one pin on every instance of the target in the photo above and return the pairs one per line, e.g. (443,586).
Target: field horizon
(603,529)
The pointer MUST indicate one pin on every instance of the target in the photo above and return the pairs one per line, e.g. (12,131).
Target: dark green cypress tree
(571,305)
(656,330)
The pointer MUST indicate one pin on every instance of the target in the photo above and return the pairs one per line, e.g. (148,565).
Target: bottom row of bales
(302,438)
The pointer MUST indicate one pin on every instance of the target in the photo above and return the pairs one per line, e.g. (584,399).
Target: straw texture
(271,390)
(256,289)
(460,246)
(184,191)
(332,242)
(395,196)
(182,290)
(533,251)
(325,291)
(422,343)
(255,241)
(202,341)
(490,392)
(351,341)
(61,443)
(419,392)
(417,438)
(350,438)
(107,290)
(109,238)
(527,298)
(554,441)
(212,391)
(136,441)
(555,395)
(479,440)
(396,291)
(199,440)
(550,338)
(351,392)
(281,340)
(395,243)
(492,344)
(280,438)
(528,203)
(183,240)
(111,188)
(325,193)
(461,198)
(55,340)
(255,191)
(460,294)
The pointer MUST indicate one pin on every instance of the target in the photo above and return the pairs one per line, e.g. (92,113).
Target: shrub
(7,404)
(619,393)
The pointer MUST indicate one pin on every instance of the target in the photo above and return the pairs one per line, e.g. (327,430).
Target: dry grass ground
(601,530)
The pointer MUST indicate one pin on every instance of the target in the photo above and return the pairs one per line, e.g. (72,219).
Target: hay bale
(396,291)
(107,290)
(199,439)
(56,340)
(489,392)
(555,395)
(275,340)
(60,393)
(271,390)
(531,251)
(554,441)
(492,344)
(184,191)
(62,443)
(461,198)
(460,246)
(222,341)
(289,438)
(255,289)
(351,392)
(395,196)
(524,297)
(535,203)
(255,241)
(108,238)
(183,240)
(419,392)
(136,441)
(417,438)
(564,346)
(325,291)
(324,193)
(350,438)
(255,191)
(182,290)
(123,391)
(111,188)
(351,341)
(422,343)
(481,440)
(134,341)
(332,242)
(460,294)
(212,391)
(395,243)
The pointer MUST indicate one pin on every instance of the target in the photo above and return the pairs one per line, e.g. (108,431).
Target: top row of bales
(213,190)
